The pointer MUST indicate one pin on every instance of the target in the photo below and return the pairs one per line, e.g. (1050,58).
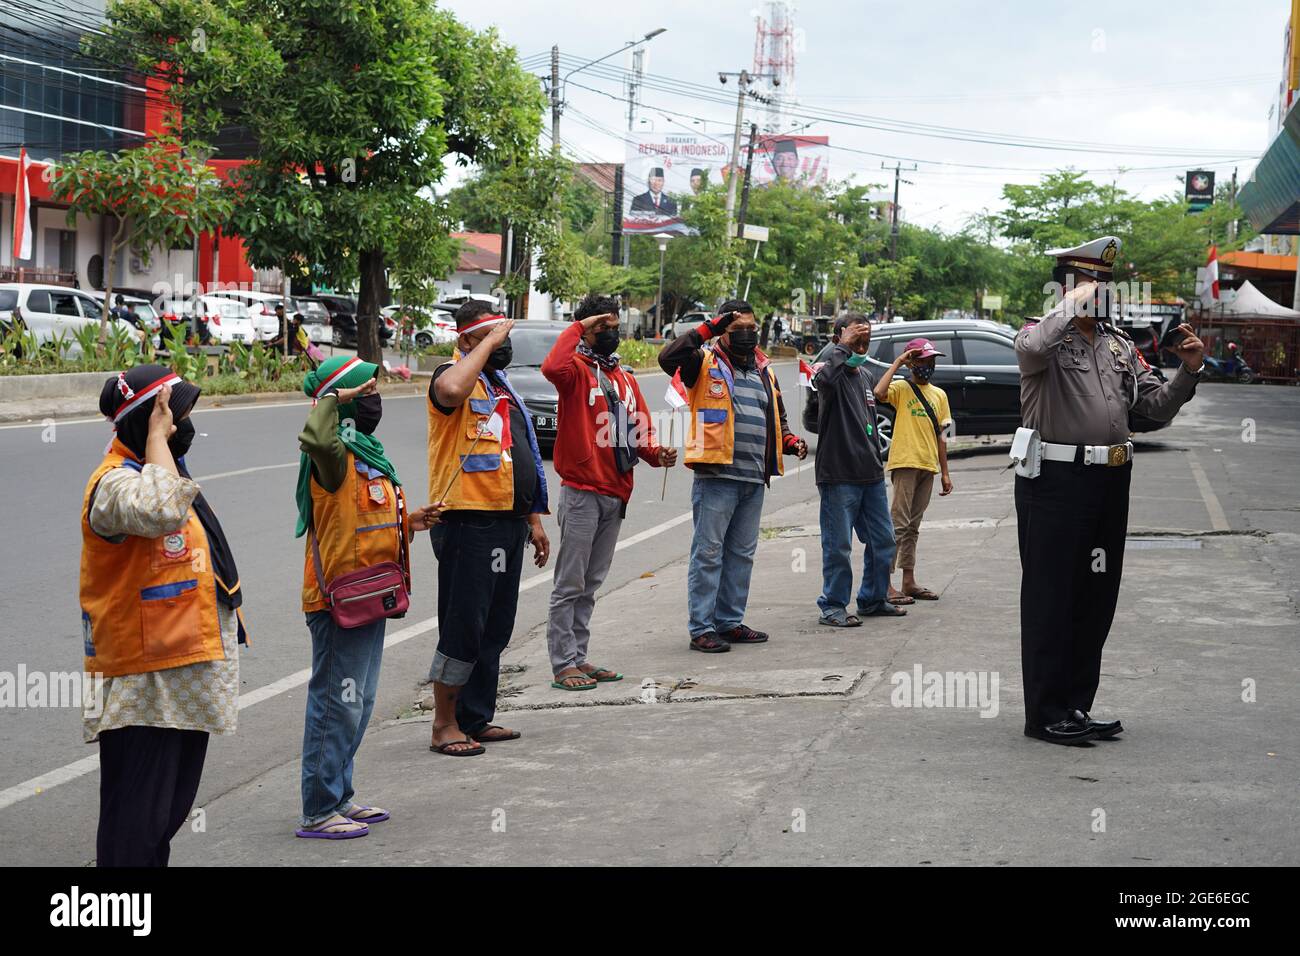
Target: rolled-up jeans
(727,514)
(480,558)
(345,664)
(848,508)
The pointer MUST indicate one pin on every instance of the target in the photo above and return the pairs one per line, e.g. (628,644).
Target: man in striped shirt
(727,496)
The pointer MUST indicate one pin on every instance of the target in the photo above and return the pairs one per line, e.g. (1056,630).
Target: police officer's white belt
(1111,455)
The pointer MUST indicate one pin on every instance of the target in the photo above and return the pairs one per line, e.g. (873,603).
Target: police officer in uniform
(1080,377)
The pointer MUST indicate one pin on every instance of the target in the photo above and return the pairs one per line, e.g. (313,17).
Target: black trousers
(148,778)
(1072,521)
(480,560)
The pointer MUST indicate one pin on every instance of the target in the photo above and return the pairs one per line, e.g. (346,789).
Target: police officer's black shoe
(1070,731)
(1105,728)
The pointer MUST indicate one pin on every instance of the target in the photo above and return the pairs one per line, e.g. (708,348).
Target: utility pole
(742,87)
(744,199)
(634,86)
(893,213)
(555,100)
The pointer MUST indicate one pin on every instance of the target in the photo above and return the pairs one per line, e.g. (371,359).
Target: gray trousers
(589,525)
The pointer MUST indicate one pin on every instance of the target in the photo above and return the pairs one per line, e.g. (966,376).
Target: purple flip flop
(326,835)
(379,818)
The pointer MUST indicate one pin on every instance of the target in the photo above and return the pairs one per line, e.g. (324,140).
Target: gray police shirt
(1079,393)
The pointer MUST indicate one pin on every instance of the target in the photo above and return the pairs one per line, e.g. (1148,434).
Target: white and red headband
(346,367)
(482,322)
(139,398)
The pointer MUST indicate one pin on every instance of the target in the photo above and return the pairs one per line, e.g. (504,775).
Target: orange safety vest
(712,436)
(357,526)
(488,479)
(147,604)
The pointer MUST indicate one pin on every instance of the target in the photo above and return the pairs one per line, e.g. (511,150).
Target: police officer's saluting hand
(1080,377)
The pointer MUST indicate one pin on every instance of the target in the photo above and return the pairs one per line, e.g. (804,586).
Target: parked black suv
(978,372)
(343,319)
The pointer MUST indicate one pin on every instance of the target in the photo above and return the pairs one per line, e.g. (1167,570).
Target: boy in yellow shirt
(918,452)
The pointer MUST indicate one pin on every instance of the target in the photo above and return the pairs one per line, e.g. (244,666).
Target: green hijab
(342,371)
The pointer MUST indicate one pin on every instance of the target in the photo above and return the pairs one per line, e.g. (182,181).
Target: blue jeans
(848,507)
(727,515)
(340,698)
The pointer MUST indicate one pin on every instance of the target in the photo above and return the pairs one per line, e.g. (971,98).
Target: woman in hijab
(160,618)
(350,500)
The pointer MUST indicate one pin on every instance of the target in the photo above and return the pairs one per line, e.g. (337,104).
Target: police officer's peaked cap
(1095,258)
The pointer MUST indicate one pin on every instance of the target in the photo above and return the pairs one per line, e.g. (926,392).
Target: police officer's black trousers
(1072,520)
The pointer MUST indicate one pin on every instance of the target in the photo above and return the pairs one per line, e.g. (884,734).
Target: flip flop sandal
(902,599)
(923,594)
(603,670)
(560,685)
(321,832)
(379,816)
(471,752)
(848,620)
(513,735)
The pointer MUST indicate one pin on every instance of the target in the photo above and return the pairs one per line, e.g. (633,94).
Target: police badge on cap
(1095,259)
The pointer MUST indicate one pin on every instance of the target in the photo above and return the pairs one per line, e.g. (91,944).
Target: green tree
(350,108)
(154,196)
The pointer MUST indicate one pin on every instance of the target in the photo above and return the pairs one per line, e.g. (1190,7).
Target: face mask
(923,372)
(180,442)
(743,341)
(501,356)
(606,342)
(370,409)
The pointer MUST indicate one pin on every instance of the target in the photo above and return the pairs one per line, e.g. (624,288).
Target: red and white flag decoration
(806,373)
(1210,280)
(22,210)
(676,396)
(498,423)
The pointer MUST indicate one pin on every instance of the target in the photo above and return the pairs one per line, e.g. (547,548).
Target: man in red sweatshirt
(603,428)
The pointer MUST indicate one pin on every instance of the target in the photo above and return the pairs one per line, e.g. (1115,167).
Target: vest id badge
(376,492)
(716,389)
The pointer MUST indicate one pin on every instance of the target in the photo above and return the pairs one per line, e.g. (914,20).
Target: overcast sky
(1197,77)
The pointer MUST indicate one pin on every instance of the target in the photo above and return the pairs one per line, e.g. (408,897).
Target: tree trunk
(369,301)
(114,245)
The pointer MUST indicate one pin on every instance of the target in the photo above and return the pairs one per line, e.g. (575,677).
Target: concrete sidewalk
(795,752)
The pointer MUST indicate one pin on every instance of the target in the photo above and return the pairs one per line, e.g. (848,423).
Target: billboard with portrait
(803,160)
(659,169)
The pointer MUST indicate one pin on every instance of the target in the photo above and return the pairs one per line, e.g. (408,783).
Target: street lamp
(626,46)
(662,238)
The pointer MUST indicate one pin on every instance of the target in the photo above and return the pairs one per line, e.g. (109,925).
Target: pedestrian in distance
(484,464)
(603,430)
(161,624)
(851,481)
(735,443)
(918,451)
(353,512)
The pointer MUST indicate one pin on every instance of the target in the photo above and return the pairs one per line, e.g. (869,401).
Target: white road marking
(1218,520)
(244,471)
(79,768)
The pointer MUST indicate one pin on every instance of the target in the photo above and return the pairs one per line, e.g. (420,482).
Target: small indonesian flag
(1210,290)
(806,374)
(676,396)
(498,423)
(22,210)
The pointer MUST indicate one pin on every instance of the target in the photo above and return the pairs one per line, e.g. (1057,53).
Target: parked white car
(50,311)
(429,327)
(315,321)
(261,307)
(224,320)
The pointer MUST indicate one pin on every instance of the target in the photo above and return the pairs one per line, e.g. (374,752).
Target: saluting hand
(346,395)
(496,335)
(607,320)
(160,419)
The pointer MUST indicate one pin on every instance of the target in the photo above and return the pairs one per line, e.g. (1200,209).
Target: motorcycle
(1231,369)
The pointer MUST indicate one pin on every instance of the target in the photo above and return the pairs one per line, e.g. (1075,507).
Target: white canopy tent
(1250,301)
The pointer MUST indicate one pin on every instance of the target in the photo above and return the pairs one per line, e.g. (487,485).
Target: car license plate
(544,421)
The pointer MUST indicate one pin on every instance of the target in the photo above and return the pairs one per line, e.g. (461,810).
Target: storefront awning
(1271,197)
